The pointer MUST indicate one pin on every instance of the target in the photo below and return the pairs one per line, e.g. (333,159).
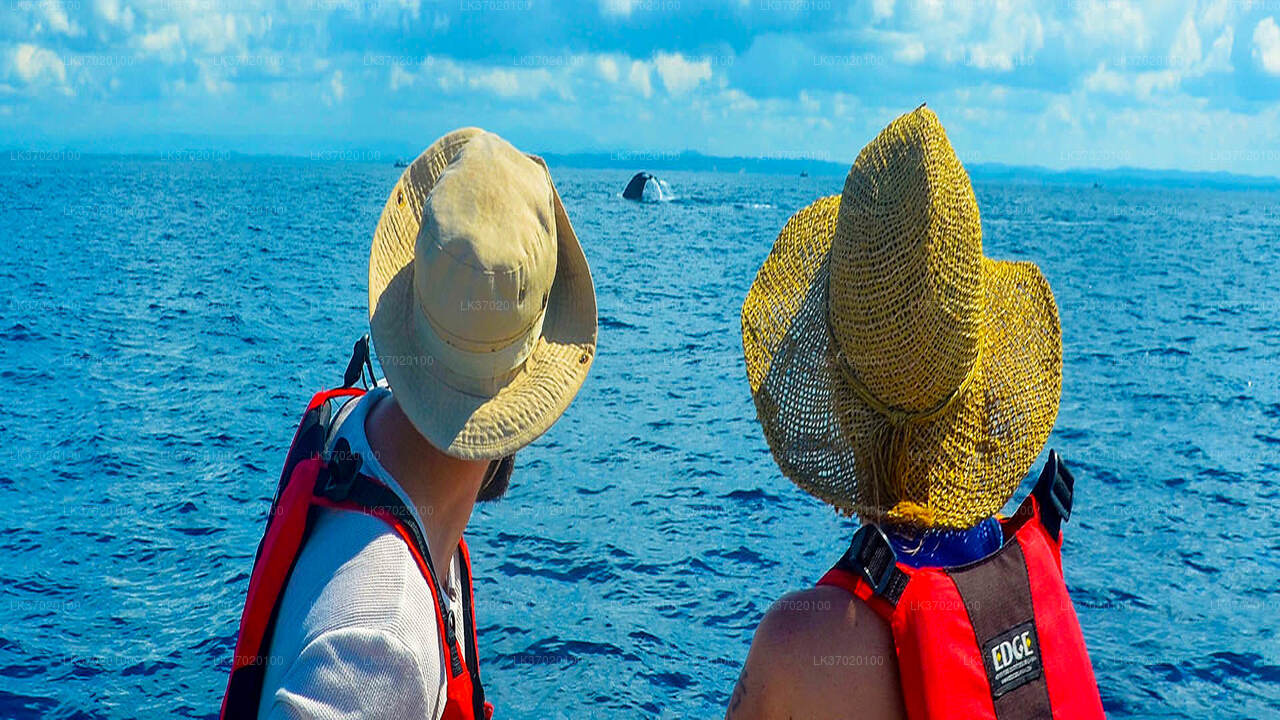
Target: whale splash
(649,188)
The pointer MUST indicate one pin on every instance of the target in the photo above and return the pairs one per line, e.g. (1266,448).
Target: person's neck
(442,488)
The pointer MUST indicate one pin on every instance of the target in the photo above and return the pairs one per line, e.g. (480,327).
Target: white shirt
(356,633)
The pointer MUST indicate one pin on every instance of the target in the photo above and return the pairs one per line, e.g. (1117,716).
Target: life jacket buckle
(340,473)
(1063,489)
(871,556)
(360,360)
(1054,491)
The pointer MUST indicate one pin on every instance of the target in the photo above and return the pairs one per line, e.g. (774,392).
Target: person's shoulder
(805,625)
(356,605)
(354,673)
(355,571)
(816,647)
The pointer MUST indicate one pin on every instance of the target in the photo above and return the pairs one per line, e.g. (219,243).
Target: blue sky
(1187,84)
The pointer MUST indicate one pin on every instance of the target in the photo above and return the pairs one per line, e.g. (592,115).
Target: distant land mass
(695,161)
(689,160)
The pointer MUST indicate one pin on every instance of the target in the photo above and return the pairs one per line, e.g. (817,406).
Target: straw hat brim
(465,424)
(975,454)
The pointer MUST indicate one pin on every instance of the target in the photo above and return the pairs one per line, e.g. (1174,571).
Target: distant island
(1102,178)
(689,160)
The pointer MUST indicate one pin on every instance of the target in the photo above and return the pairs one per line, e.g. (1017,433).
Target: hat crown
(485,255)
(905,295)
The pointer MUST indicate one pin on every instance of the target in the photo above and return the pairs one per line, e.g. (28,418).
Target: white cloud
(1143,85)
(1185,51)
(995,35)
(56,17)
(500,82)
(909,53)
(212,77)
(447,73)
(455,77)
(1146,75)
(679,75)
(1266,45)
(1219,57)
(512,83)
(401,77)
(1179,132)
(1214,14)
(1015,34)
(36,66)
(1116,22)
(608,68)
(336,87)
(111,12)
(931,9)
(639,77)
(881,9)
(1105,80)
(165,43)
(212,33)
(617,8)
(1148,84)
(739,102)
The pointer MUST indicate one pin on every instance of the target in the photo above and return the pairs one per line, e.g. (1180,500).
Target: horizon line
(616,158)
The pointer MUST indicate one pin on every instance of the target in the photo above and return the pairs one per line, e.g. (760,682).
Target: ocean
(163,323)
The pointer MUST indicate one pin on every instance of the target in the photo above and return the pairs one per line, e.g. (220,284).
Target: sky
(1170,84)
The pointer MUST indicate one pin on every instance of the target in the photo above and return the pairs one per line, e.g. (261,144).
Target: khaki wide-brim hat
(897,372)
(481,304)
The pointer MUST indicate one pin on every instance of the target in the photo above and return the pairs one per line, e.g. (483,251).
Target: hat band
(896,416)
(481,373)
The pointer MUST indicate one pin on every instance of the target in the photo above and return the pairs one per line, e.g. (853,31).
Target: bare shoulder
(812,632)
(819,652)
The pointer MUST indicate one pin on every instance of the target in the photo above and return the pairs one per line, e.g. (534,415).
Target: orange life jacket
(307,482)
(994,639)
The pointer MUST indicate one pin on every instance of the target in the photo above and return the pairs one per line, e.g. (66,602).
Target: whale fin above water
(635,188)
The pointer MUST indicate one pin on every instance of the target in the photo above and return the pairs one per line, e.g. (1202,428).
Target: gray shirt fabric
(356,634)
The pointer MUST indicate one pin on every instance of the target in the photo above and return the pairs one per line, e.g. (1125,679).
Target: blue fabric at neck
(945,548)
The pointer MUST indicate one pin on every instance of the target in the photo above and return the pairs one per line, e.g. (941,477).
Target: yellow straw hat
(481,305)
(898,373)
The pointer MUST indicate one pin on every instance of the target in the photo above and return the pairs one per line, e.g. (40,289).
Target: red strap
(279,549)
(858,585)
(321,398)
(286,531)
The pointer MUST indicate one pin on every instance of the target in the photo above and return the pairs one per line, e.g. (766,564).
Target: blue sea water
(162,324)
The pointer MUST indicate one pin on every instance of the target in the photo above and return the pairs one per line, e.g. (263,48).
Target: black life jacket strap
(871,557)
(1053,493)
(308,440)
(469,632)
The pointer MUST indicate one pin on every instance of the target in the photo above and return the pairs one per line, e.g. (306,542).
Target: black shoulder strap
(308,440)
(871,557)
(1053,493)
(469,631)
